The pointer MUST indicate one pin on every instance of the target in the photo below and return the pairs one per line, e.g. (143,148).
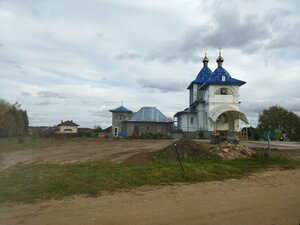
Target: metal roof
(120,109)
(203,76)
(149,114)
(186,111)
(219,76)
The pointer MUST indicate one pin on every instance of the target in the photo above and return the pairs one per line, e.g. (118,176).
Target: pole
(178,157)
(233,132)
(269,150)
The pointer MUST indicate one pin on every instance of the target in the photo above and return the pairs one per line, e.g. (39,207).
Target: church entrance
(224,127)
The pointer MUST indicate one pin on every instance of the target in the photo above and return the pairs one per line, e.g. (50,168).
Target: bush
(149,135)
(256,135)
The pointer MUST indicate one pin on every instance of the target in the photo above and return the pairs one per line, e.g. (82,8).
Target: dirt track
(263,199)
(70,152)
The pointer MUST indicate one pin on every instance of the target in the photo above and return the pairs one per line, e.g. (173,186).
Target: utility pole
(178,157)
(269,149)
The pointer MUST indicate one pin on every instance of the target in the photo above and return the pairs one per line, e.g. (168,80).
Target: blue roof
(120,109)
(149,114)
(206,76)
(220,73)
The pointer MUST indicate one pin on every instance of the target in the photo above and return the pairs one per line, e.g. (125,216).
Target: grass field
(32,182)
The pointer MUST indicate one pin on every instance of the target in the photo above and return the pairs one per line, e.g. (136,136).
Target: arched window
(224,91)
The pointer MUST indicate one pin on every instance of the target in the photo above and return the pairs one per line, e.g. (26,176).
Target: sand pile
(194,149)
(191,148)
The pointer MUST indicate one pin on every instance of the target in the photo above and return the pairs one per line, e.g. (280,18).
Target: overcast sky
(75,60)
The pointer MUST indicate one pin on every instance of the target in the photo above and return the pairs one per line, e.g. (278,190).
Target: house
(146,120)
(67,127)
(213,104)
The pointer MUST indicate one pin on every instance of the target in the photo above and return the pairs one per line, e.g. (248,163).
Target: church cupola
(205,60)
(220,59)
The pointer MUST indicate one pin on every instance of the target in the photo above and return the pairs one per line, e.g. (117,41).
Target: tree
(278,117)
(13,120)
(97,129)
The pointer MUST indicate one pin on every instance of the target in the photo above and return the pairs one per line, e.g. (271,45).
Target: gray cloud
(49,94)
(128,55)
(104,113)
(230,28)
(42,94)
(163,86)
(25,93)
(43,103)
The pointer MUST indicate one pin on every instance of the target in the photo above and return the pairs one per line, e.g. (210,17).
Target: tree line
(280,123)
(13,120)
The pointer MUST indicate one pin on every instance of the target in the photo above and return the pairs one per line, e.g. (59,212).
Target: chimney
(72,121)
(61,121)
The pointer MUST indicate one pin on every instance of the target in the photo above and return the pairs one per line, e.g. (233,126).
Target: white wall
(185,122)
(68,129)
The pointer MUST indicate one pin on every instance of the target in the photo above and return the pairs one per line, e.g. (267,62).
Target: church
(213,110)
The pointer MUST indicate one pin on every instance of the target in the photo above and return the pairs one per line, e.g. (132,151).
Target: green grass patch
(32,182)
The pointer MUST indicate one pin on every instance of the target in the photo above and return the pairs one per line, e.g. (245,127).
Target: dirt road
(263,199)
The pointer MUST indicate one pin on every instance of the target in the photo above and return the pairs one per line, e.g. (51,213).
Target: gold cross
(220,50)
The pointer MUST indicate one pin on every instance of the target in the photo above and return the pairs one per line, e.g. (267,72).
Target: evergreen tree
(13,120)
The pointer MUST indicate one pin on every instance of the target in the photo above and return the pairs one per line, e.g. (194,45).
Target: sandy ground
(269,198)
(116,151)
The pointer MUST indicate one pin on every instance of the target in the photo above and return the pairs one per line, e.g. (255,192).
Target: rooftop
(68,123)
(149,114)
(120,109)
(219,76)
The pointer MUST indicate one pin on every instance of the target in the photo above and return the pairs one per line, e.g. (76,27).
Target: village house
(67,127)
(213,110)
(147,120)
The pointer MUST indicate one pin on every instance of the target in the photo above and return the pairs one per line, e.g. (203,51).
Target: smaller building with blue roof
(119,115)
(147,120)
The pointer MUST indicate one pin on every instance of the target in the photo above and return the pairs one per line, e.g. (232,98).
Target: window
(206,95)
(116,131)
(224,91)
(158,128)
(120,117)
(148,128)
(223,78)
(192,120)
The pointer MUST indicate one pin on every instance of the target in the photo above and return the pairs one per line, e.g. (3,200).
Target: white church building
(213,104)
